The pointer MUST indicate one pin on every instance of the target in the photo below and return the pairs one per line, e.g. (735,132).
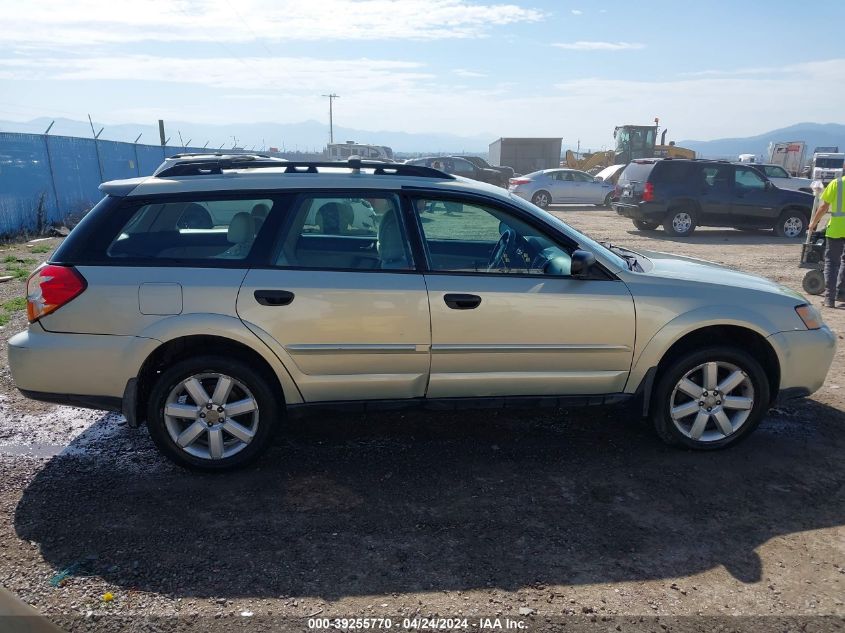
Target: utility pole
(331,97)
(161,132)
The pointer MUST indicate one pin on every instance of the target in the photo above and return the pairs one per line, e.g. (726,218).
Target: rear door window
(192,229)
(345,233)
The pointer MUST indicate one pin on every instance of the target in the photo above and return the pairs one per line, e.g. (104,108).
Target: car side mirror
(598,179)
(769,184)
(582,261)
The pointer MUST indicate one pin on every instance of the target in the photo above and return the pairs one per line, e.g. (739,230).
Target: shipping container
(526,155)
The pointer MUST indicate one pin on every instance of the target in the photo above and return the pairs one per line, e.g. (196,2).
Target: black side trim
(646,388)
(103,403)
(129,406)
(454,404)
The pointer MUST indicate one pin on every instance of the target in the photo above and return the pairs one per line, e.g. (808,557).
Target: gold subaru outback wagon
(223,293)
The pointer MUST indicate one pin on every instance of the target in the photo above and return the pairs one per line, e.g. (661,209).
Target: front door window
(475,238)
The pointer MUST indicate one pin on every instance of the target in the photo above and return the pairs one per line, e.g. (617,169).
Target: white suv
(224,292)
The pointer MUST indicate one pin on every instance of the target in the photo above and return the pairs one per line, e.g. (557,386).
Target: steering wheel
(505,244)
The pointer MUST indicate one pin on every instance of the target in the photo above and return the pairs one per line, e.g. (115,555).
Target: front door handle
(273,297)
(462,302)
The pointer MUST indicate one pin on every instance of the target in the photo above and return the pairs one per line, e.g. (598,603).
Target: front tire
(542,199)
(791,223)
(710,399)
(680,222)
(212,413)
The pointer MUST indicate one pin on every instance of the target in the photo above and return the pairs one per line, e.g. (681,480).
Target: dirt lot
(580,520)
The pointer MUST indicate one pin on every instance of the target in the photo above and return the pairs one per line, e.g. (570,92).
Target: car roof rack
(203,167)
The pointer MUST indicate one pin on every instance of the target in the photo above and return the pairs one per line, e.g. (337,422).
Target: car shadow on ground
(408,502)
(718,236)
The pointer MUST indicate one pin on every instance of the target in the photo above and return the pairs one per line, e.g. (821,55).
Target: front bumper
(805,357)
(80,369)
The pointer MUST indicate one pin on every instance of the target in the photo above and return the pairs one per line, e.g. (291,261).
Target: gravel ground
(580,519)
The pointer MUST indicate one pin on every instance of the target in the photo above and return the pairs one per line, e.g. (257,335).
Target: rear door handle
(273,297)
(462,302)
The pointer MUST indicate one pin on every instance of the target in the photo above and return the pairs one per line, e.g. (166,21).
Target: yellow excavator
(632,142)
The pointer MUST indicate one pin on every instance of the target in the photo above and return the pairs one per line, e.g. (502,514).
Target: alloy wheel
(211,416)
(541,200)
(793,226)
(682,222)
(711,401)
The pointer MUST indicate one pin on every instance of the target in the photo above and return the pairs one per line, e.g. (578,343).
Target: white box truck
(826,166)
(789,155)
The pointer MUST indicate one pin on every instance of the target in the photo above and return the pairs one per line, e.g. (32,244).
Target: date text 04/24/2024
(416,623)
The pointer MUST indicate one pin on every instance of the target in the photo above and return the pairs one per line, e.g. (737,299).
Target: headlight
(810,316)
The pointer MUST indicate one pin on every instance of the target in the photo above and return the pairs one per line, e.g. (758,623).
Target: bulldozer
(632,142)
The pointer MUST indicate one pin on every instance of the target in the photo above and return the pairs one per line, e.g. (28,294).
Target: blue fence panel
(46,179)
(76,172)
(25,184)
(118,160)
(149,158)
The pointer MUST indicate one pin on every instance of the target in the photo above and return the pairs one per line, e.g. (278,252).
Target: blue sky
(468,67)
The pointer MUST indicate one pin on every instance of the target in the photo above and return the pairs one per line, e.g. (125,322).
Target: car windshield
(583,240)
(829,163)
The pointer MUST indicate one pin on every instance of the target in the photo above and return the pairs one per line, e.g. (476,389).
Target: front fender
(651,352)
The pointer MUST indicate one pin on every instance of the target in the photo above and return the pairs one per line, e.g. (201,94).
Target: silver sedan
(561,186)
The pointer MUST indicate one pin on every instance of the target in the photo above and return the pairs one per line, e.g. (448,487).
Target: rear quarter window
(196,229)
(670,171)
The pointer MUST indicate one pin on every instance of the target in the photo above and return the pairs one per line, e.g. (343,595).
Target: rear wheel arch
(684,203)
(178,349)
(736,336)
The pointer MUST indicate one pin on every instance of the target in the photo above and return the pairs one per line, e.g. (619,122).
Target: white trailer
(789,155)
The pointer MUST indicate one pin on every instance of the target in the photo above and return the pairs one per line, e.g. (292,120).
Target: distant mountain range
(305,136)
(313,136)
(813,134)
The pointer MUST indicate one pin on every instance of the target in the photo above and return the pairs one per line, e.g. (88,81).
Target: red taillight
(648,192)
(50,287)
(519,181)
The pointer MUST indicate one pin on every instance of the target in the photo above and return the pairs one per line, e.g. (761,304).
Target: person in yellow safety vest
(834,253)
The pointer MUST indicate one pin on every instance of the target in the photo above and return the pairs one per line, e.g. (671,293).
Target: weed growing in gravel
(17,273)
(4,319)
(13,305)
(42,248)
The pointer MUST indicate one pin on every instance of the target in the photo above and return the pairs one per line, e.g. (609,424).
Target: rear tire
(680,222)
(608,201)
(791,223)
(813,282)
(542,199)
(203,430)
(735,410)
(645,225)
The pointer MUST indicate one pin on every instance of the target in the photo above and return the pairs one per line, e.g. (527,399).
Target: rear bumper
(805,357)
(641,211)
(88,370)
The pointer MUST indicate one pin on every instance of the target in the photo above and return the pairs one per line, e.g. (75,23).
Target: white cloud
(90,22)
(577,12)
(462,72)
(290,75)
(599,46)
